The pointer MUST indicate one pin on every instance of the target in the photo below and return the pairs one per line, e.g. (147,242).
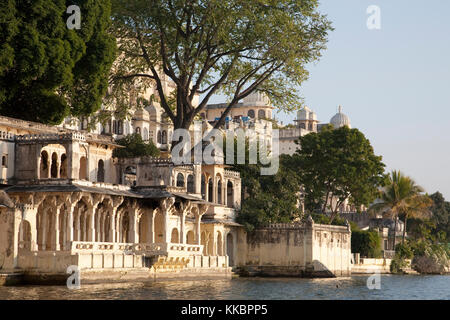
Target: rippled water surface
(392,287)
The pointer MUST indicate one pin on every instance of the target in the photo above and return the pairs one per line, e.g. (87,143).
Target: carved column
(92,203)
(166,206)
(185,208)
(114,205)
(151,226)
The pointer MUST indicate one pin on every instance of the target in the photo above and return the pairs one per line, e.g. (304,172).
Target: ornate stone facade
(74,204)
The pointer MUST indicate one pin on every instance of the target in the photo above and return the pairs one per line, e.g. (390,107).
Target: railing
(138,248)
(51,137)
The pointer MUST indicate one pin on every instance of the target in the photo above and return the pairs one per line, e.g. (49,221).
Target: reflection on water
(392,287)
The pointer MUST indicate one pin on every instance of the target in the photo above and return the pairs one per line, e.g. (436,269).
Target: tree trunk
(395,233)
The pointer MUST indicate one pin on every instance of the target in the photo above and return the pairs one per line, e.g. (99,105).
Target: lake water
(355,287)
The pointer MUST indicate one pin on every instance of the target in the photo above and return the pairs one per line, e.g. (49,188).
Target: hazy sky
(393,83)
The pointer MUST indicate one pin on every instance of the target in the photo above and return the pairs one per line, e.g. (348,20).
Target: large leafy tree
(441,213)
(48,71)
(337,164)
(401,195)
(205,47)
(270,198)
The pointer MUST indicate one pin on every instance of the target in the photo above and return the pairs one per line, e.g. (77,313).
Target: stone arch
(25,235)
(180,180)
(219,189)
(138,130)
(230,194)
(190,238)
(144,224)
(83,172)
(210,190)
(175,236)
(145,134)
(261,114)
(159,227)
(190,184)
(159,137)
(44,167)
(164,137)
(203,187)
(219,244)
(63,168)
(230,249)
(251,113)
(54,166)
(125,227)
(101,171)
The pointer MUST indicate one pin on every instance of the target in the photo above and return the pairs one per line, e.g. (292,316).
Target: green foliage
(339,162)
(367,243)
(270,198)
(321,218)
(135,147)
(404,250)
(441,214)
(47,71)
(233,47)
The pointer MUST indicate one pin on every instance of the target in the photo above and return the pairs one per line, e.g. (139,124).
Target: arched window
(138,130)
(302,125)
(203,191)
(230,194)
(251,114)
(145,134)
(175,237)
(310,127)
(190,184)
(210,190)
(101,171)
(63,169)
(158,137)
(54,167)
(120,127)
(164,137)
(180,180)
(219,192)
(44,166)
(261,114)
(83,174)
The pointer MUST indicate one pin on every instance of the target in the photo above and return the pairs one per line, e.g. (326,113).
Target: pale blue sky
(393,83)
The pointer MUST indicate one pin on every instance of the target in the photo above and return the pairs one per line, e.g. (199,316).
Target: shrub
(135,147)
(367,243)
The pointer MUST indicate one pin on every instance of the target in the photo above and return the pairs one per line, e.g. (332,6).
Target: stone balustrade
(232,174)
(50,137)
(139,248)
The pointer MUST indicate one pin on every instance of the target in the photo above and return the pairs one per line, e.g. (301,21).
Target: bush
(324,219)
(367,243)
(135,147)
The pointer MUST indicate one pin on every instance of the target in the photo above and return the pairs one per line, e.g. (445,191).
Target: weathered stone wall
(306,250)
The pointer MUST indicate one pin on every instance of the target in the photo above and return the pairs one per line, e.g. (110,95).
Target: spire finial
(340,109)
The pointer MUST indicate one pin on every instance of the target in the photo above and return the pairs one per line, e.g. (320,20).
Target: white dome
(340,119)
(142,114)
(257,99)
(304,114)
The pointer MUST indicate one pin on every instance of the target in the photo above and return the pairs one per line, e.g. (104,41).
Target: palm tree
(397,197)
(419,208)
